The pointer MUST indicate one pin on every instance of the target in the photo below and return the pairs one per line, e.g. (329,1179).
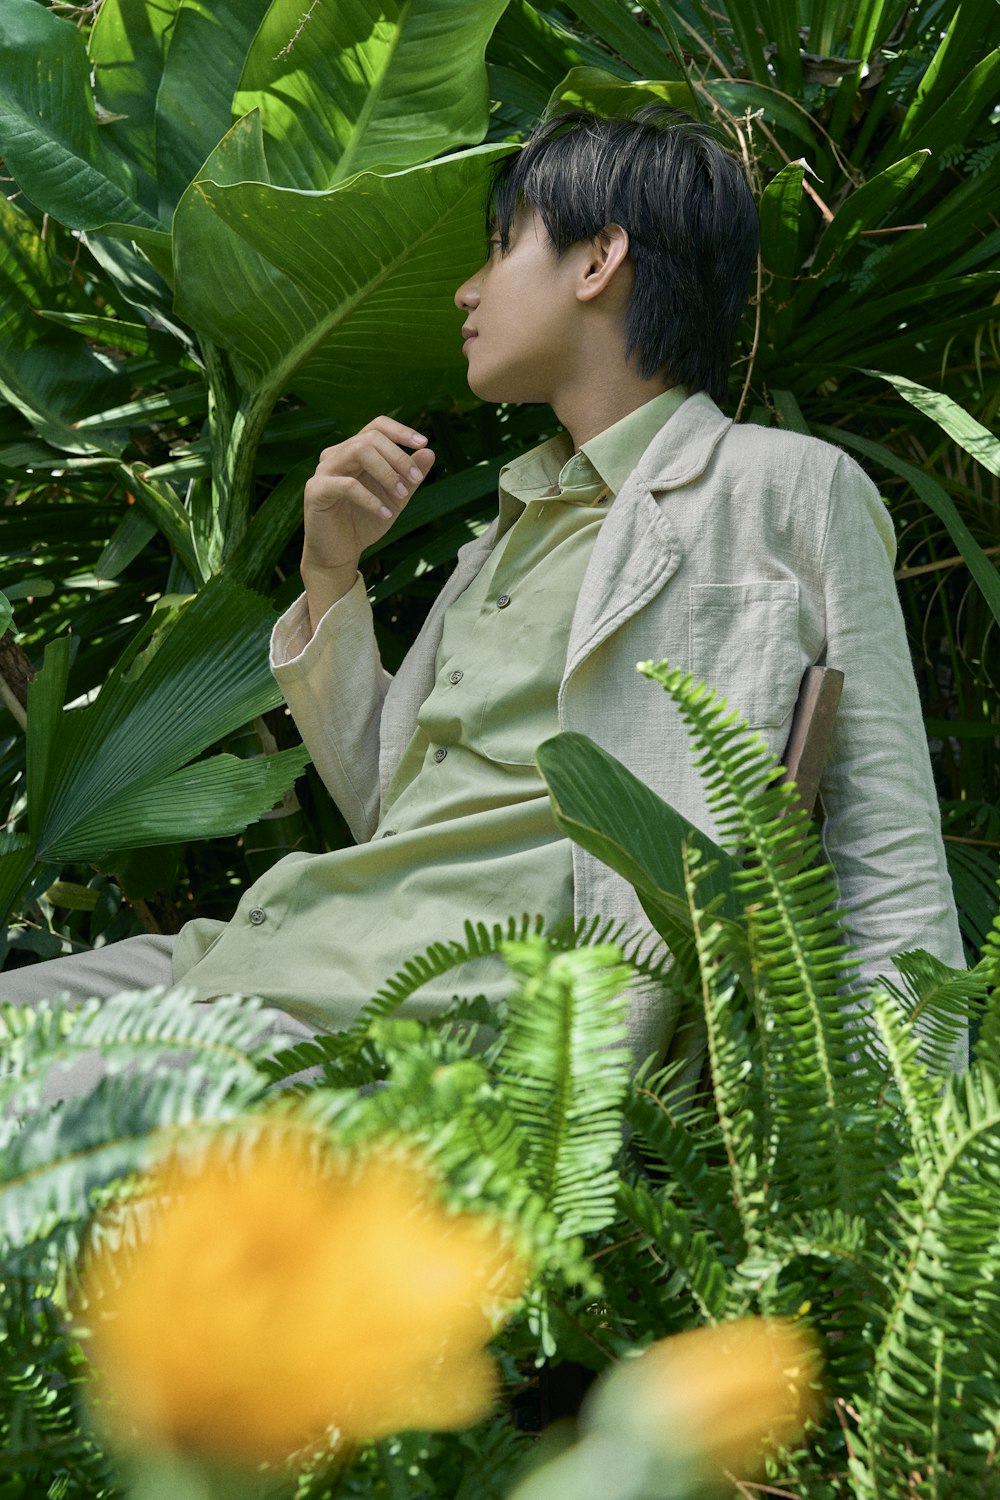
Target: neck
(590,406)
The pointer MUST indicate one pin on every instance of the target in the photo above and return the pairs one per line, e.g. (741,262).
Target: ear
(606,253)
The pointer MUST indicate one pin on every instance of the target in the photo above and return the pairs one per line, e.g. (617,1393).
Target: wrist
(324,587)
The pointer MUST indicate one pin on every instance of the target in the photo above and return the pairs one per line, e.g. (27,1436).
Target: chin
(497,388)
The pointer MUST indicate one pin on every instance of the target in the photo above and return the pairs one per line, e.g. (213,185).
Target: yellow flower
(284,1289)
(717,1398)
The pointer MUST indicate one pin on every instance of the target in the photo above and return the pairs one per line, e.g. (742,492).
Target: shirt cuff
(292,641)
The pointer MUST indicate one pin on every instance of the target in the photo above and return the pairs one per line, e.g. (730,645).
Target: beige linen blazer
(742,554)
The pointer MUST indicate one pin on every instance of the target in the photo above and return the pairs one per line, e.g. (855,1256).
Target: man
(618,269)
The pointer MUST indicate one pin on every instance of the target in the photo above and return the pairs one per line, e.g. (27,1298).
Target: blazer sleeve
(335,684)
(882,830)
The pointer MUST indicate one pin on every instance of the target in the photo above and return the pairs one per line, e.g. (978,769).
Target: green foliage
(217,258)
(223,249)
(824,1176)
(117,774)
(857,1190)
(163,367)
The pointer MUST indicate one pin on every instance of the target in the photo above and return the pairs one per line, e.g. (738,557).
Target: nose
(467,295)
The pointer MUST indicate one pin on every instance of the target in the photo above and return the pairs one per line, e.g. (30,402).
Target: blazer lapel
(637,550)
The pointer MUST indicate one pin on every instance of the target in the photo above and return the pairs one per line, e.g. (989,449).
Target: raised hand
(359,488)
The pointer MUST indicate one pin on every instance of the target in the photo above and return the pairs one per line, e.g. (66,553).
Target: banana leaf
(48,126)
(312,291)
(351,88)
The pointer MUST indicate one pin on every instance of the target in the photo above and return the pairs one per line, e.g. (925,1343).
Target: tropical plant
(222,248)
(828,1177)
(148,389)
(824,1176)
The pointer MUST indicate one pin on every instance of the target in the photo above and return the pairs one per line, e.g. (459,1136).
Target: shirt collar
(552,469)
(614,453)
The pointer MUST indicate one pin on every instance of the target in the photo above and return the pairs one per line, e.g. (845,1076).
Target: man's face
(521,316)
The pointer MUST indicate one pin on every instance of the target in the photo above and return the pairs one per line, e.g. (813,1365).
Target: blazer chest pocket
(744,641)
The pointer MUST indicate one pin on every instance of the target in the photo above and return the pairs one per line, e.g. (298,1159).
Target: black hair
(691,219)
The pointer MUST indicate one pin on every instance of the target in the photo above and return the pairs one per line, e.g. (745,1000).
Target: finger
(386,466)
(422,462)
(377,460)
(330,489)
(398,432)
(412,468)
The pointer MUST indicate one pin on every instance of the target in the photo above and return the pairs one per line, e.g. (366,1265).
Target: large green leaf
(49,136)
(128,46)
(603,807)
(866,208)
(781,224)
(194,104)
(345,296)
(116,775)
(17,861)
(829,337)
(611,22)
(737,95)
(943,86)
(948,117)
(605,94)
(213,797)
(349,87)
(527,56)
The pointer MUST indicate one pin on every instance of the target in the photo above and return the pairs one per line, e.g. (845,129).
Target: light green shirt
(466,830)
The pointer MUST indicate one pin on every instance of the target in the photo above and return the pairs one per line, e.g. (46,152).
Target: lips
(468,334)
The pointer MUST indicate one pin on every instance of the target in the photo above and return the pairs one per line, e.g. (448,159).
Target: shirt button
(439,755)
(503,601)
(455,676)
(257,916)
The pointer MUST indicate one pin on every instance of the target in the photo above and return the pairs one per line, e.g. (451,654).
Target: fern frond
(936,1366)
(140,1028)
(59,1159)
(672,1233)
(674,1141)
(733,1050)
(563,1072)
(480,942)
(42,1440)
(332,1060)
(800,955)
(918,1091)
(940,1003)
(347,1056)
(642,951)
(838,1238)
(988,1043)
(484,942)
(491,1454)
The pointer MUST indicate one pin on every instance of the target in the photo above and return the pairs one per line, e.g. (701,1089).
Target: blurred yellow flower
(717,1398)
(283,1289)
